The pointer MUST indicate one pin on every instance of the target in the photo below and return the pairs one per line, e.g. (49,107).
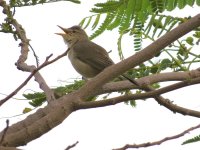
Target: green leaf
(88,22)
(181,4)
(160,5)
(155,85)
(31,96)
(158,23)
(38,98)
(192,140)
(125,24)
(157,5)
(190,2)
(165,63)
(82,22)
(36,102)
(183,51)
(150,24)
(26,110)
(153,5)
(106,7)
(154,69)
(171,4)
(190,40)
(174,22)
(132,103)
(197,34)
(21,3)
(138,5)
(118,17)
(119,46)
(167,20)
(137,32)
(146,5)
(198,2)
(96,21)
(103,26)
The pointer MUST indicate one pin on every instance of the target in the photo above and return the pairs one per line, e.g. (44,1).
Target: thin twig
(148,144)
(46,62)
(71,146)
(35,55)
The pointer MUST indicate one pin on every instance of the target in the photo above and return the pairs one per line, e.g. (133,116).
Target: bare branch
(71,146)
(148,144)
(161,77)
(21,65)
(35,55)
(44,64)
(151,94)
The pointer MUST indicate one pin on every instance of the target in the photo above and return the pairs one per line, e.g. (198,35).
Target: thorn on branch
(4,132)
(48,57)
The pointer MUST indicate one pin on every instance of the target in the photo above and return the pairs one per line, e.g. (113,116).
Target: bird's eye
(73,31)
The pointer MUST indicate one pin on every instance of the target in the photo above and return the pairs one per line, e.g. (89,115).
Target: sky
(102,128)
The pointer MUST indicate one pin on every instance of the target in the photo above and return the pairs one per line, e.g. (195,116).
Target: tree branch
(147,53)
(8,148)
(151,94)
(53,114)
(71,146)
(144,55)
(21,65)
(148,144)
(44,64)
(155,78)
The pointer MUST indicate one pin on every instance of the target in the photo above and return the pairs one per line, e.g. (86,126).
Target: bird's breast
(81,67)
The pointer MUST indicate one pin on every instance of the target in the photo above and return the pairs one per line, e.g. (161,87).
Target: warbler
(87,58)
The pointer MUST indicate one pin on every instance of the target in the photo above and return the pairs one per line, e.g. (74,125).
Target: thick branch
(150,94)
(40,122)
(147,53)
(8,148)
(155,78)
(52,115)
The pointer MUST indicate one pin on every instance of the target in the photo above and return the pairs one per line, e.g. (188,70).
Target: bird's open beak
(64,29)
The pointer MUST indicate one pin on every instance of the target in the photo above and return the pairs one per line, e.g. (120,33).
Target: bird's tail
(129,79)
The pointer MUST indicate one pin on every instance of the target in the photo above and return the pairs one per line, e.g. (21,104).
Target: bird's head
(73,34)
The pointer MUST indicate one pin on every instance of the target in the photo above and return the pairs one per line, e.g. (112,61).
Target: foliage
(21,3)
(146,20)
(192,140)
(141,20)
(38,98)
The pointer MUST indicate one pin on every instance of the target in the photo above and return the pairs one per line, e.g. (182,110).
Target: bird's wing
(96,56)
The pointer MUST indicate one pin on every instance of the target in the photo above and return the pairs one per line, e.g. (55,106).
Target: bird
(87,57)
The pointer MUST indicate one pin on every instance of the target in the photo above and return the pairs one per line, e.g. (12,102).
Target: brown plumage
(88,58)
